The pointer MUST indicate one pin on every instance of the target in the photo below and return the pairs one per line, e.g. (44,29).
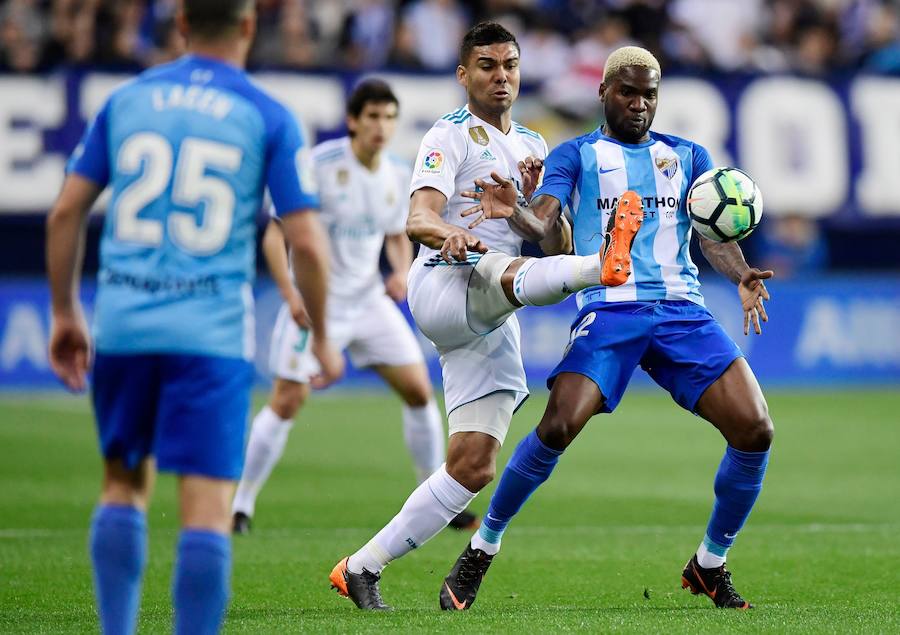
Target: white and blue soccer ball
(724,204)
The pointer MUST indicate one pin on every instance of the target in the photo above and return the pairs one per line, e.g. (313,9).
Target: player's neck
(501,121)
(230,53)
(370,159)
(605,129)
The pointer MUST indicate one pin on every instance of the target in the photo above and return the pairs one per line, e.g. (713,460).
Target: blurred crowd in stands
(558,37)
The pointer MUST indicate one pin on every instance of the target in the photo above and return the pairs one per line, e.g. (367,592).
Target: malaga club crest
(668,166)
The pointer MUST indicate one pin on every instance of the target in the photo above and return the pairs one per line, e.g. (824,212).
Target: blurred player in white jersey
(465,285)
(363,194)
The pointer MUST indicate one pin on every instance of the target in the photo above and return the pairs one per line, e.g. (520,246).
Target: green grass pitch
(625,509)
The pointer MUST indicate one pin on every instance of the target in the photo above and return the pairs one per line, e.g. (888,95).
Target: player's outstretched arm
(728,259)
(310,251)
(277,260)
(70,347)
(425,225)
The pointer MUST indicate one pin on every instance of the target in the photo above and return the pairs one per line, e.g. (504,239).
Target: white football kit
(358,208)
(477,358)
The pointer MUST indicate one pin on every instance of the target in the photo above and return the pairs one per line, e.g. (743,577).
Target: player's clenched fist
(458,244)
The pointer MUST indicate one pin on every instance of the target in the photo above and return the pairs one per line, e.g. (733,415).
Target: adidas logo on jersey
(487,156)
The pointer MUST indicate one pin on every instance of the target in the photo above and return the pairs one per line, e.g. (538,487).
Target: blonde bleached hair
(629,56)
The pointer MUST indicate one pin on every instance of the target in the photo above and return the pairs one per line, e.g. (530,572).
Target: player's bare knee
(288,397)
(127,487)
(755,432)
(473,473)
(417,395)
(557,430)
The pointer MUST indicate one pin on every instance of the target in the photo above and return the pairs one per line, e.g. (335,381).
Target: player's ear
(602,91)
(181,24)
(248,23)
(351,123)
(462,77)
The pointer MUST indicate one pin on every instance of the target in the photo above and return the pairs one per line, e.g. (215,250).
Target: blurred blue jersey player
(187,150)
(654,318)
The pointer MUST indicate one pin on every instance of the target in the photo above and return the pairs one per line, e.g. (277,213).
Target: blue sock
(737,485)
(530,465)
(200,589)
(118,546)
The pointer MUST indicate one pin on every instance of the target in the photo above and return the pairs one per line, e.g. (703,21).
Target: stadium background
(803,94)
(798,93)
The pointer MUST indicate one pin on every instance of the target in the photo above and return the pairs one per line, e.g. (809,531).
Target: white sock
(268,436)
(428,509)
(707,559)
(490,548)
(542,281)
(423,431)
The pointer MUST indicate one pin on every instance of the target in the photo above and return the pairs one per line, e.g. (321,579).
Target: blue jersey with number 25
(187,150)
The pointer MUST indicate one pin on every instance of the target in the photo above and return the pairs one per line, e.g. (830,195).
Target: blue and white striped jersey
(188,149)
(589,174)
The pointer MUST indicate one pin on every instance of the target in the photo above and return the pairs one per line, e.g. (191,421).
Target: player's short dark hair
(484,34)
(369,91)
(210,18)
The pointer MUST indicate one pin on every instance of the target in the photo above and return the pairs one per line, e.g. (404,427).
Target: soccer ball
(724,204)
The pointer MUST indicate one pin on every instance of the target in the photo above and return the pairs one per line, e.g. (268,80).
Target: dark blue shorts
(189,411)
(678,343)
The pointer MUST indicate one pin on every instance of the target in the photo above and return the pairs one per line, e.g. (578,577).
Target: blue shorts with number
(678,343)
(189,411)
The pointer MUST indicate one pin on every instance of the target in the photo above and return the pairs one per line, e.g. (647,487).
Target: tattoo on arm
(726,258)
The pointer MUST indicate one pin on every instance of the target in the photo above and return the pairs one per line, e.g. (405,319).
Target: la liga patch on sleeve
(432,163)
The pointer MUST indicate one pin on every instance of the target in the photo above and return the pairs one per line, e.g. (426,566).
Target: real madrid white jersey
(359,207)
(460,148)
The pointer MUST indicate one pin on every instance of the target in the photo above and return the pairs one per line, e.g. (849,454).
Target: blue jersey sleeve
(561,171)
(701,162)
(91,158)
(289,173)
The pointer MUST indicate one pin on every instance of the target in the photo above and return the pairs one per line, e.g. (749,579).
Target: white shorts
(374,333)
(474,364)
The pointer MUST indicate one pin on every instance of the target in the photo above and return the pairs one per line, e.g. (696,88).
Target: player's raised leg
(268,438)
(735,405)
(502,283)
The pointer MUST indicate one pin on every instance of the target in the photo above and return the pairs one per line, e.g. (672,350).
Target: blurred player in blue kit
(187,150)
(656,318)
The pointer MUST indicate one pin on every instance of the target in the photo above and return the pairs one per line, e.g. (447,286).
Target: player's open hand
(495,200)
(458,244)
(395,286)
(331,363)
(531,169)
(752,291)
(298,310)
(70,349)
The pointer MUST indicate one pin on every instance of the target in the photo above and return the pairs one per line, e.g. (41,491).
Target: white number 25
(191,186)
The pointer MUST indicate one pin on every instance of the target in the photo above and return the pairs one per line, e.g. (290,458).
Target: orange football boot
(615,255)
(362,588)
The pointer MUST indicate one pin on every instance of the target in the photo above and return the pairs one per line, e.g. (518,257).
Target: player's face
(491,77)
(629,102)
(375,125)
